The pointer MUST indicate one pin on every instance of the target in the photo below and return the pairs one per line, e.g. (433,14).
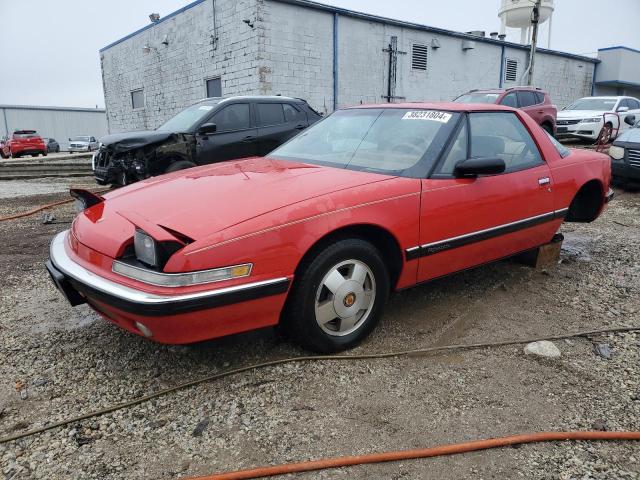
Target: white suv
(585,118)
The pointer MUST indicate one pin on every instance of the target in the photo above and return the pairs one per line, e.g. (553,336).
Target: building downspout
(502,54)
(6,125)
(593,80)
(335,61)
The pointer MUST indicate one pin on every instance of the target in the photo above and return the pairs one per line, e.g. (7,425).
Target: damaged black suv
(210,131)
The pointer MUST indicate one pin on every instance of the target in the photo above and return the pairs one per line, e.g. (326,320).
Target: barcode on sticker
(433,115)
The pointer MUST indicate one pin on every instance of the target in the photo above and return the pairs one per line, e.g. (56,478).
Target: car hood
(125,142)
(631,135)
(576,114)
(201,201)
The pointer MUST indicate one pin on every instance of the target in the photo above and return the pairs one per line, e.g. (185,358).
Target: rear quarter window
(562,150)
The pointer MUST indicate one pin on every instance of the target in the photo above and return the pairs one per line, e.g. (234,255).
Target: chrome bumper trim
(84,277)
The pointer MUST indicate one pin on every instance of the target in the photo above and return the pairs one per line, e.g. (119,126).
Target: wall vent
(419,57)
(511,70)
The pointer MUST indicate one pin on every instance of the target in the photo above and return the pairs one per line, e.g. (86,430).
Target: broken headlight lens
(592,120)
(615,152)
(146,248)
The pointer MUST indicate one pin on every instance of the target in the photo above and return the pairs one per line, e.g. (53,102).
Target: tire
(321,320)
(15,155)
(57,150)
(34,155)
(122,179)
(45,153)
(179,165)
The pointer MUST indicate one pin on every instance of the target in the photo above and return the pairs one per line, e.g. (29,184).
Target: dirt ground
(57,362)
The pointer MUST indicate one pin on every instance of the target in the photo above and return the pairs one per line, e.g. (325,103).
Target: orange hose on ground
(43,207)
(450,449)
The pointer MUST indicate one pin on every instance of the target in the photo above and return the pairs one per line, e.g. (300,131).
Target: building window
(419,57)
(511,70)
(137,99)
(214,87)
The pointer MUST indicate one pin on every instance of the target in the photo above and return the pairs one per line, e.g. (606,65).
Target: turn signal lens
(181,279)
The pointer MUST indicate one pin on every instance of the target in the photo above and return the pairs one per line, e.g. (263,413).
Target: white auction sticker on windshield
(432,115)
(205,107)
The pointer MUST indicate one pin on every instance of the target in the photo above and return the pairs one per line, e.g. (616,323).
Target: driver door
(466,222)
(235,136)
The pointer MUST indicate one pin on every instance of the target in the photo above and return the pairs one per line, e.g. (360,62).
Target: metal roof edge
(617,83)
(47,107)
(146,27)
(402,23)
(619,47)
(374,18)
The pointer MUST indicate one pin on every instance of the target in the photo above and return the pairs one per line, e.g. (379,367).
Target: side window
(527,98)
(624,103)
(562,150)
(93,139)
(633,104)
(292,114)
(458,151)
(232,117)
(270,114)
(502,135)
(540,96)
(510,100)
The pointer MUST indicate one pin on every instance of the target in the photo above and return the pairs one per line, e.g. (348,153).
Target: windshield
(478,97)
(80,139)
(602,104)
(392,141)
(188,118)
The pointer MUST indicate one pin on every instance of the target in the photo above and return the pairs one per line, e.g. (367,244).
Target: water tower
(517,14)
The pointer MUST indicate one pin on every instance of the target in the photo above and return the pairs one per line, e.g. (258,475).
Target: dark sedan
(212,130)
(625,154)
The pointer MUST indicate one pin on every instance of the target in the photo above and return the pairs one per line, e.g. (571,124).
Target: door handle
(300,127)
(544,181)
(249,139)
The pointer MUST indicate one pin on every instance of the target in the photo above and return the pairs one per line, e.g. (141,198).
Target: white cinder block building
(329,56)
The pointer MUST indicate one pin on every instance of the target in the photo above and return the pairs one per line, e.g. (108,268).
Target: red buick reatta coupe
(315,235)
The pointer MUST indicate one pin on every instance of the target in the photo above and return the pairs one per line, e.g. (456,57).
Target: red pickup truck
(23,142)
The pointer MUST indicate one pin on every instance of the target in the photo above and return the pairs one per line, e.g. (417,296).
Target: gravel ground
(57,362)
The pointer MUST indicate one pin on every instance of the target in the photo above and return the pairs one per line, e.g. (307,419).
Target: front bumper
(588,131)
(171,318)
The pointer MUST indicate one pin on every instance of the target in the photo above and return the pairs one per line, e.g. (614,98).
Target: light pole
(535,17)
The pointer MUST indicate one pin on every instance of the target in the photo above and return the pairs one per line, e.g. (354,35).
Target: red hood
(204,200)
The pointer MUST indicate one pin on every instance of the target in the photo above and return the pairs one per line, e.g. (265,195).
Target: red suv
(534,101)
(23,142)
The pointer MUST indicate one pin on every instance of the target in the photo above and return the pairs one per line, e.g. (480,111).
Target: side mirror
(207,128)
(630,120)
(472,167)
(622,109)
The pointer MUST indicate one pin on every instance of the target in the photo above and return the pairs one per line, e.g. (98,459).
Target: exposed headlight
(145,248)
(615,152)
(592,120)
(181,279)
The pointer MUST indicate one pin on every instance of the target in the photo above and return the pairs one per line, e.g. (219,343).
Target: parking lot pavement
(57,362)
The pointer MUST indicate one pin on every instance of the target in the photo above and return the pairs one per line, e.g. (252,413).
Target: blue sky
(49,49)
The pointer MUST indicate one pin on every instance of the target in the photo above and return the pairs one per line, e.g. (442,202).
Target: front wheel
(338,298)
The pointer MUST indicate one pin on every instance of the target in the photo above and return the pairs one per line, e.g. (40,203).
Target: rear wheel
(179,165)
(338,297)
(44,153)
(15,155)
